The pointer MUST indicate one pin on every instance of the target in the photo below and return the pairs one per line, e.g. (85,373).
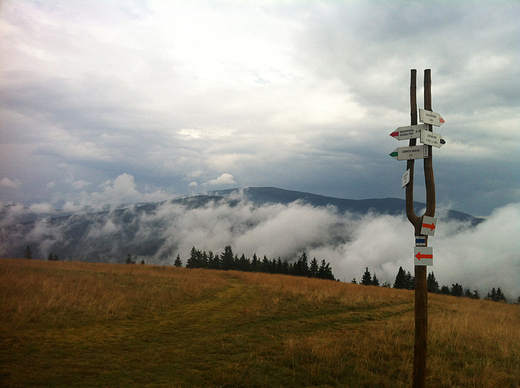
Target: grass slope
(85,324)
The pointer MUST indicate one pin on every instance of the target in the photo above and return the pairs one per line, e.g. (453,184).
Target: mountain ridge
(388,205)
(157,230)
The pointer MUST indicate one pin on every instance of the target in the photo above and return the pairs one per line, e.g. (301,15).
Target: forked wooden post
(421,287)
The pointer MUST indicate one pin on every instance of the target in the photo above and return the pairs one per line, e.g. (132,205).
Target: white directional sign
(432,138)
(409,132)
(429,117)
(406,178)
(413,152)
(423,256)
(428,226)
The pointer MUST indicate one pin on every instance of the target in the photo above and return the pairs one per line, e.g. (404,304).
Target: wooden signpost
(426,224)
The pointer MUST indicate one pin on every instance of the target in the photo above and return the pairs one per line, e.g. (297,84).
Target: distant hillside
(157,232)
(391,206)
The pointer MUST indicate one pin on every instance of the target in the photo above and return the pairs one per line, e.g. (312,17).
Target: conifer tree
(366,279)
(255,263)
(302,265)
(264,267)
(213,261)
(325,272)
(445,290)
(279,266)
(244,264)
(227,259)
(375,280)
(456,290)
(178,261)
(353,281)
(194,259)
(433,286)
(400,279)
(314,268)
(492,295)
(500,297)
(409,281)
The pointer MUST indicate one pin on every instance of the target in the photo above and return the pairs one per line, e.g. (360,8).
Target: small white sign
(429,224)
(432,138)
(406,178)
(407,153)
(429,117)
(423,256)
(408,132)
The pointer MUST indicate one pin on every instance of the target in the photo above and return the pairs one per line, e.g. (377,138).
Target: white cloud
(121,190)
(224,179)
(8,183)
(40,208)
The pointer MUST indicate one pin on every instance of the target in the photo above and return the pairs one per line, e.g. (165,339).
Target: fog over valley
(479,254)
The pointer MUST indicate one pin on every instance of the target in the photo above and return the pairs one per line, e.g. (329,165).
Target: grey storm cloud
(181,96)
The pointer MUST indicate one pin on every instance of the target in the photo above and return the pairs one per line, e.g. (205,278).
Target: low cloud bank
(478,257)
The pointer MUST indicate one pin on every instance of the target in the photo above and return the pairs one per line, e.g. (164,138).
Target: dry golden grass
(52,292)
(69,324)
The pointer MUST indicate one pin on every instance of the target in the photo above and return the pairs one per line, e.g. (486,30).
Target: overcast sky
(126,101)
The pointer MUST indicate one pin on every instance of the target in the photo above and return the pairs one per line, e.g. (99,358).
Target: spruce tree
(433,286)
(314,268)
(456,290)
(400,279)
(178,261)
(492,295)
(500,297)
(255,263)
(302,265)
(227,259)
(194,260)
(264,267)
(375,280)
(366,279)
(409,281)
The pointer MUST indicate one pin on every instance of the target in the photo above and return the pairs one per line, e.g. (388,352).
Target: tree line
(313,269)
(227,260)
(405,280)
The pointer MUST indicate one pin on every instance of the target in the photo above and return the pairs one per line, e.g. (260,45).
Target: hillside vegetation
(65,324)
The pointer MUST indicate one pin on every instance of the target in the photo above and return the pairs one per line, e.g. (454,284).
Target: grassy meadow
(73,324)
